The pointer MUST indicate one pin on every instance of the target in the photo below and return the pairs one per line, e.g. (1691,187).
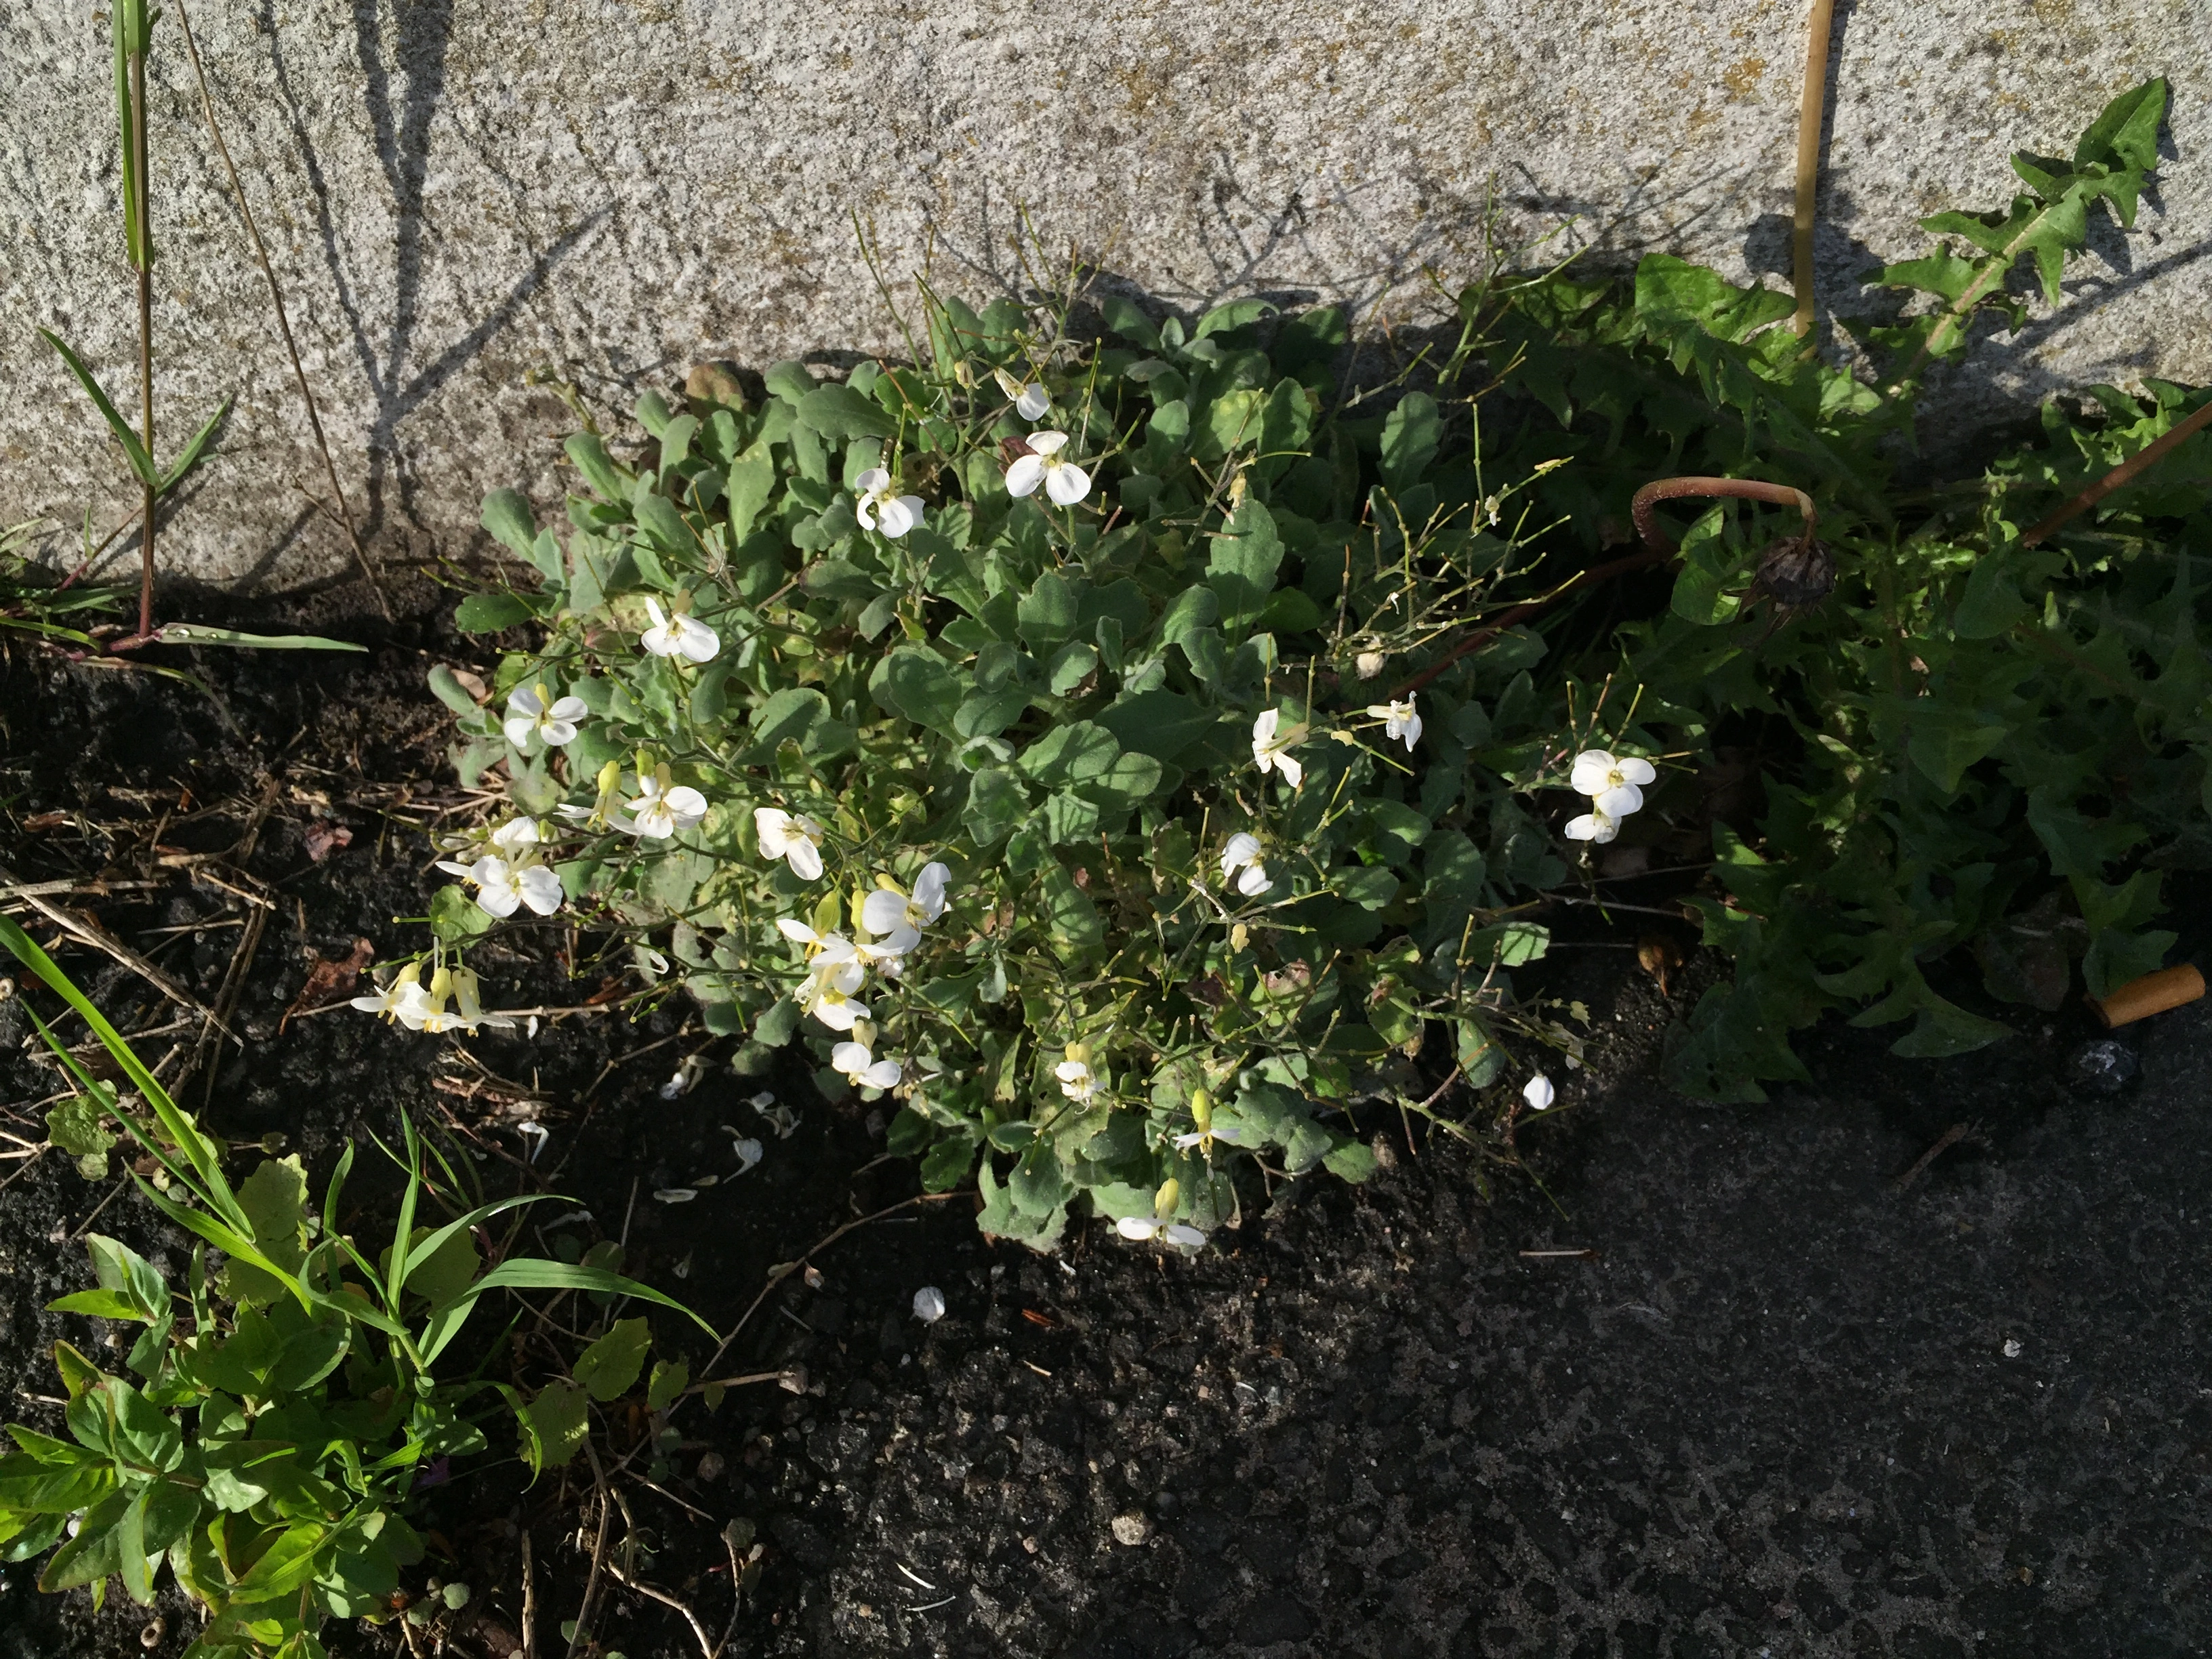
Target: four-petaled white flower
(1538,1092)
(1271,748)
(1065,483)
(1592,825)
(658,811)
(400,1000)
(1611,783)
(820,947)
(881,508)
(863,1068)
(1229,1134)
(831,1001)
(1030,399)
(1242,852)
(1140,1228)
(502,889)
(679,635)
(530,715)
(1076,1081)
(792,836)
(515,837)
(889,911)
(1399,720)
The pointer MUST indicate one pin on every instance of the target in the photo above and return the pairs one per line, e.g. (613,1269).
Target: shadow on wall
(399,376)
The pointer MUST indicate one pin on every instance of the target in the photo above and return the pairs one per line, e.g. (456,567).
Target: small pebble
(1131,1529)
(929,1305)
(2012,1347)
(710,1468)
(2104,1067)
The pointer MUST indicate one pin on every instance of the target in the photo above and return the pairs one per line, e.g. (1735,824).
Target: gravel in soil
(1718,1386)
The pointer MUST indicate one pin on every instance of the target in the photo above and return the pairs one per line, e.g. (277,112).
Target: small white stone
(2012,1347)
(1131,1529)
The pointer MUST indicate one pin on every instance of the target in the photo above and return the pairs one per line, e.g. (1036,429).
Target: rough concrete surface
(462,197)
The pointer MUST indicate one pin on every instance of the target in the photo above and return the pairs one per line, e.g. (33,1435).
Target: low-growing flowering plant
(1033,777)
(1150,787)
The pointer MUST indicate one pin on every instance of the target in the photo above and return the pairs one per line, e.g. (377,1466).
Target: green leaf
(1160,723)
(1242,567)
(201,633)
(606,1369)
(123,1270)
(1990,604)
(668,1382)
(195,452)
(487,613)
(996,803)
(1410,437)
(1351,1161)
(530,1273)
(591,458)
(141,462)
(1709,566)
(839,411)
(75,1125)
(752,480)
(554,1425)
(1078,752)
(914,682)
(946,1164)
(508,516)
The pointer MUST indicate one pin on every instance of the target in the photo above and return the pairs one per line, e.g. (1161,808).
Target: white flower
(1065,483)
(879,508)
(530,715)
(887,910)
(468,994)
(1243,852)
(792,836)
(1076,1081)
(829,996)
(397,1000)
(929,1305)
(831,948)
(659,812)
(1031,400)
(1611,783)
(1227,1134)
(1399,720)
(678,635)
(515,837)
(1538,1092)
(1138,1228)
(862,1068)
(1594,825)
(1271,750)
(502,889)
(888,955)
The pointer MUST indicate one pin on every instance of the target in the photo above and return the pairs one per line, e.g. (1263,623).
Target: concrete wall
(465,195)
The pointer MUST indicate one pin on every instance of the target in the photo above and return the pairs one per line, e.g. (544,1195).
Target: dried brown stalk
(2121,474)
(1809,112)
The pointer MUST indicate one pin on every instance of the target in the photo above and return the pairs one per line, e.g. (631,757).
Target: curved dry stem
(1746,489)
(2121,474)
(1809,113)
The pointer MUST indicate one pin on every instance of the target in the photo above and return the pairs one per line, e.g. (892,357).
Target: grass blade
(141,462)
(194,451)
(200,634)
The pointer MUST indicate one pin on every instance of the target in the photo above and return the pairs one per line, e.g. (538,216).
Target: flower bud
(1164,1200)
(1201,1108)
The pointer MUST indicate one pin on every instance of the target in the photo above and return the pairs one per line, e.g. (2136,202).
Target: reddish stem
(2120,475)
(1657,548)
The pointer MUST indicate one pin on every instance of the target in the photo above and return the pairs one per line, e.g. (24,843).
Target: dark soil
(1776,1407)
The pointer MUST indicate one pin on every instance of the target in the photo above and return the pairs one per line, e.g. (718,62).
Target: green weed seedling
(279,1413)
(132,24)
